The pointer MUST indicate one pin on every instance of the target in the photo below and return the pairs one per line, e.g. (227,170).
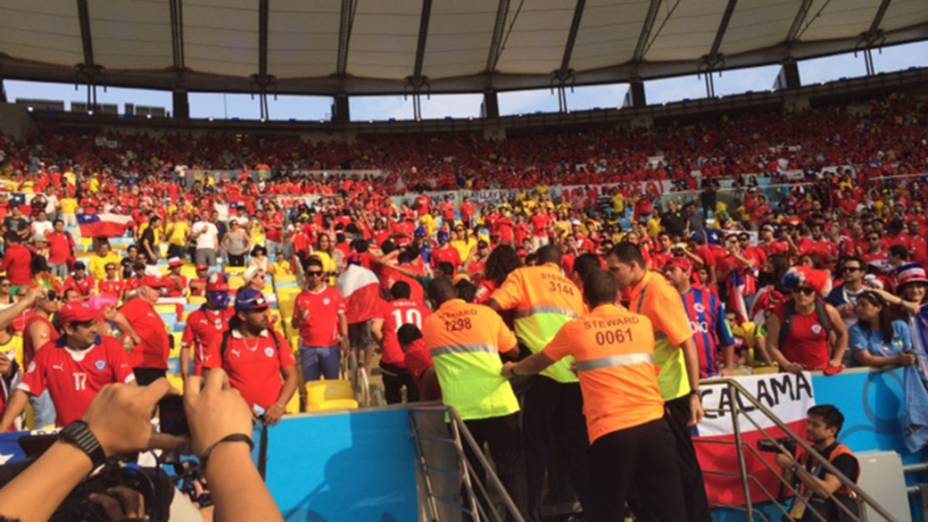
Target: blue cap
(713,237)
(443,237)
(250,299)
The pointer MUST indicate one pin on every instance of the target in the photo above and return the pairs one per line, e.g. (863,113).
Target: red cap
(175,262)
(77,312)
(152,281)
(202,267)
(679,262)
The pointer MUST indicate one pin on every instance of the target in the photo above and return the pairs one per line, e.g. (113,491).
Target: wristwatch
(78,434)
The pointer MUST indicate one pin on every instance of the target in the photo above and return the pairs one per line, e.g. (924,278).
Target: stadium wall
(15,121)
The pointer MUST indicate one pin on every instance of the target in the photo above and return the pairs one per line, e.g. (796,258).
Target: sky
(366,108)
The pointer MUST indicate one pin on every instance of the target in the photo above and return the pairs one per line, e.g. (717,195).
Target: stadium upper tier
(401,46)
(884,135)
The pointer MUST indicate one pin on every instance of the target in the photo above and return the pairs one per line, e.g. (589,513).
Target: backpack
(228,333)
(790,311)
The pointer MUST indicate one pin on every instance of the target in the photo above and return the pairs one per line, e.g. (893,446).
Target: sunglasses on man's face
(851,269)
(806,291)
(314,274)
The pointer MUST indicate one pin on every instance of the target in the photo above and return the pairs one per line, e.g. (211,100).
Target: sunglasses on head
(805,290)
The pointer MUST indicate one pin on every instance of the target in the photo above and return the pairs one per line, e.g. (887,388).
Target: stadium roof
(387,46)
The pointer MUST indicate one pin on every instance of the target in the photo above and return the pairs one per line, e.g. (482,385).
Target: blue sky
(204,105)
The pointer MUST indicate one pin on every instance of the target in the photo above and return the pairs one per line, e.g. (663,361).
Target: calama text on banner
(788,396)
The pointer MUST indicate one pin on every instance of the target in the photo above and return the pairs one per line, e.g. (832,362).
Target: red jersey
(84,287)
(198,287)
(60,247)
(447,254)
(29,351)
(17,263)
(156,345)
(253,365)
(111,288)
(808,340)
(540,224)
(395,314)
(389,277)
(204,325)
(320,329)
(74,378)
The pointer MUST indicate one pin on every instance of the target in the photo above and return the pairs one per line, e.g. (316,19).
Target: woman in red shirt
(817,336)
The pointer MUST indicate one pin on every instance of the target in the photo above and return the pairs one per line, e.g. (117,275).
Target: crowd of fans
(823,273)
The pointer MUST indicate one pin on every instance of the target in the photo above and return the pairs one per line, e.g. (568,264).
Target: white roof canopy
(387,46)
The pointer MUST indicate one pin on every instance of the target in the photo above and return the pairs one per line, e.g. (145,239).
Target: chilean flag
(787,395)
(105,224)
(361,290)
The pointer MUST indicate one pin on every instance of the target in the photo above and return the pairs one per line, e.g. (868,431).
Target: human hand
(121,503)
(903,359)
(785,460)
(6,365)
(696,411)
(345,343)
(273,414)
(214,410)
(791,367)
(728,372)
(33,294)
(120,416)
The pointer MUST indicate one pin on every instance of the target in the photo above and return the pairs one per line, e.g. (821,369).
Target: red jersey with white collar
(204,325)
(253,365)
(395,314)
(73,378)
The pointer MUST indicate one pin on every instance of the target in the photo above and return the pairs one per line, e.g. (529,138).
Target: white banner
(787,395)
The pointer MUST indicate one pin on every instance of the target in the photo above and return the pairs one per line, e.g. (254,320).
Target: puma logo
(58,367)
(235,352)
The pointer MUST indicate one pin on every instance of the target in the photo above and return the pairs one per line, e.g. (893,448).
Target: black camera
(770,446)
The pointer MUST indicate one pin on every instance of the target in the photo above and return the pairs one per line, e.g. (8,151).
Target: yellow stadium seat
(295,342)
(175,381)
(166,309)
(175,352)
(235,270)
(236,282)
(285,278)
(318,392)
(196,300)
(86,243)
(337,404)
(294,405)
(188,271)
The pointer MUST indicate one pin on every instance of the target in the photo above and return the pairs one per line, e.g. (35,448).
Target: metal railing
(471,487)
(736,394)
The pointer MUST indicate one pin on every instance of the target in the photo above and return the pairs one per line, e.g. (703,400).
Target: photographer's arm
(13,409)
(119,417)
(215,411)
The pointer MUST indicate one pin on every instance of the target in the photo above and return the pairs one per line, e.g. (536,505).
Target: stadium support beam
(341,113)
(720,33)
(572,37)
(878,18)
(83,16)
(177,34)
(181,104)
(499,30)
(646,30)
(423,37)
(636,95)
(346,23)
(263,12)
(490,104)
(796,27)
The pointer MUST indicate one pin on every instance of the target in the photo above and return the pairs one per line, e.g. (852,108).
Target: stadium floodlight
(90,112)
(210,118)
(29,108)
(148,116)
